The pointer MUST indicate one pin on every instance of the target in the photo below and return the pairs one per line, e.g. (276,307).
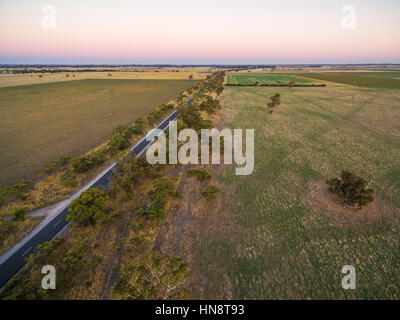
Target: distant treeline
(275,85)
(20,71)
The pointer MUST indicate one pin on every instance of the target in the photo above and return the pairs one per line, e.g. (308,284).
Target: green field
(362,79)
(265,78)
(41,123)
(281,238)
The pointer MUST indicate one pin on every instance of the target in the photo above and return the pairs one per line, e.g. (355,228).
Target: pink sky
(176,31)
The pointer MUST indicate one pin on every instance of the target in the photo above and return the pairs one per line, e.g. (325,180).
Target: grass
(265,78)
(368,80)
(386,75)
(279,244)
(41,123)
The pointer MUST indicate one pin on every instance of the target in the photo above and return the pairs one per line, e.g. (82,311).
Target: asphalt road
(14,260)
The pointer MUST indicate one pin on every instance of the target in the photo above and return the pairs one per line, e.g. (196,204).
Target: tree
(18,214)
(200,174)
(210,192)
(351,189)
(275,101)
(89,208)
(155,278)
(118,142)
(291,84)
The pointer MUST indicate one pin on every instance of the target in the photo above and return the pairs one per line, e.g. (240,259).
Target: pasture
(282,236)
(266,78)
(41,123)
(386,80)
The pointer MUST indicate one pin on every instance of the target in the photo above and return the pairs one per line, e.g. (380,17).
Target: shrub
(210,105)
(131,170)
(84,164)
(19,214)
(209,192)
(21,185)
(89,208)
(351,189)
(137,128)
(6,228)
(58,163)
(155,277)
(81,164)
(200,174)
(68,180)
(164,188)
(118,142)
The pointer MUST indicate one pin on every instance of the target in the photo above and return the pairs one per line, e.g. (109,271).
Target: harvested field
(41,123)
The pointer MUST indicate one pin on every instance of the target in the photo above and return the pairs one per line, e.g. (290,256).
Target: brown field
(41,123)
(7,80)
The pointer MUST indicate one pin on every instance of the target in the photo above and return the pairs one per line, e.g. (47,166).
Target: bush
(275,101)
(351,189)
(191,118)
(209,192)
(6,228)
(89,208)
(19,214)
(210,105)
(21,185)
(131,170)
(84,164)
(81,164)
(119,142)
(58,163)
(155,277)
(200,174)
(138,127)
(68,180)
(164,188)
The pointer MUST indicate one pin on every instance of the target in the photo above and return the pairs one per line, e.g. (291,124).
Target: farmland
(8,80)
(266,78)
(282,237)
(386,80)
(43,122)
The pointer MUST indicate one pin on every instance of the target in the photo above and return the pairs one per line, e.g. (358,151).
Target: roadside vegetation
(107,252)
(65,175)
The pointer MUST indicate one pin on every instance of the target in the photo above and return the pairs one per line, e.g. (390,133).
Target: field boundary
(274,85)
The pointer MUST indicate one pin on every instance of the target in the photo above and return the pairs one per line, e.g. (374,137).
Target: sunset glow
(199,32)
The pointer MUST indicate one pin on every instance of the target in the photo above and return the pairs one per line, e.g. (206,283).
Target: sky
(199,32)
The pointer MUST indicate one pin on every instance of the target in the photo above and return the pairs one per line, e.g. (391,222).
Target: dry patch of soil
(325,202)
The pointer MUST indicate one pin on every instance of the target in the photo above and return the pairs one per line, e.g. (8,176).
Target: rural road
(14,260)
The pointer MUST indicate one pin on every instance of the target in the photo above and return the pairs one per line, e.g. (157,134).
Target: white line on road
(55,225)
(26,251)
